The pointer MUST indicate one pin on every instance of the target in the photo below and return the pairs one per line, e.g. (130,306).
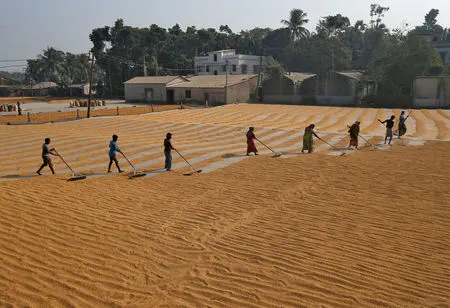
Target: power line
(8,66)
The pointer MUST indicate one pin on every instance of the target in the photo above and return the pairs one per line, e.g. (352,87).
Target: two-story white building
(216,63)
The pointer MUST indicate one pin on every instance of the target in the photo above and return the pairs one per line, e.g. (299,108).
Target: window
(244,69)
(443,56)
(234,68)
(199,69)
(207,68)
(187,94)
(215,57)
(255,69)
(224,68)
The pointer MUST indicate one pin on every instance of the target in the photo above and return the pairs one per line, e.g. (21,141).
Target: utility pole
(90,86)
(145,68)
(226,82)
(332,60)
(258,92)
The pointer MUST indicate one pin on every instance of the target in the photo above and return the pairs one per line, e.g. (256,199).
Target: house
(443,48)
(432,92)
(39,89)
(213,89)
(81,89)
(291,88)
(151,89)
(333,88)
(440,41)
(342,88)
(218,62)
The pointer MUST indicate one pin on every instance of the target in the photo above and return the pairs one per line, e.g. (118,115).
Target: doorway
(170,96)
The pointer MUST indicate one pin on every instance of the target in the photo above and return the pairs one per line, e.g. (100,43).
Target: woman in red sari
(251,147)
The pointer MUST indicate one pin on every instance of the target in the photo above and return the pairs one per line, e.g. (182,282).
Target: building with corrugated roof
(170,89)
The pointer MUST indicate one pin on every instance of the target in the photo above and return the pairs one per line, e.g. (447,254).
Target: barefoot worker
(251,147)
(113,149)
(401,124)
(46,152)
(389,126)
(308,142)
(168,152)
(354,133)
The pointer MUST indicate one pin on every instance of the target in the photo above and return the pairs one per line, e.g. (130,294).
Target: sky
(29,26)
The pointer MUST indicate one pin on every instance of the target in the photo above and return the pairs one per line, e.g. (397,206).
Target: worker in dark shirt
(46,152)
(168,152)
(389,126)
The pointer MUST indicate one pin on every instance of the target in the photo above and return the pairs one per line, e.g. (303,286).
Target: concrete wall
(216,95)
(335,100)
(283,99)
(239,93)
(432,92)
(136,92)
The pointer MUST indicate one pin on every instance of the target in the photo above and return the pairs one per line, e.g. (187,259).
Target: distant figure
(168,152)
(308,142)
(113,149)
(251,147)
(402,125)
(19,108)
(46,152)
(389,126)
(354,133)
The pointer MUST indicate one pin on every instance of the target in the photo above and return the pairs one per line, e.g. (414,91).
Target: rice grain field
(367,229)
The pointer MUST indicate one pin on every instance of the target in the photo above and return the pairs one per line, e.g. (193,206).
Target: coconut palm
(51,64)
(296,23)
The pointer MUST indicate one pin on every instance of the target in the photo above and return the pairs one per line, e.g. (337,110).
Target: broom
(275,153)
(136,173)
(75,175)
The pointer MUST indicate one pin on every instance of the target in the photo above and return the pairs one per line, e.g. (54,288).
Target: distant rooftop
(298,77)
(216,81)
(153,79)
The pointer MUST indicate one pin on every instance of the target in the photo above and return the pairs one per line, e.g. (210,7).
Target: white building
(215,63)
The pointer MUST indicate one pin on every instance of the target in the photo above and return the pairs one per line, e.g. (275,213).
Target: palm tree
(51,63)
(295,24)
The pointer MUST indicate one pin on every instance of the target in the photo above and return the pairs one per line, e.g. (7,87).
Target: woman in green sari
(308,141)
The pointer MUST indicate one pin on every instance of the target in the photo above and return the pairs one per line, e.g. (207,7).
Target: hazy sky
(28,26)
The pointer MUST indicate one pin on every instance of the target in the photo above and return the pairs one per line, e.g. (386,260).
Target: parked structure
(212,89)
(291,88)
(151,89)
(432,92)
(333,88)
(218,62)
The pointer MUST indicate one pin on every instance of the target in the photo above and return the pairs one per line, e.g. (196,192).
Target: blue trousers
(168,162)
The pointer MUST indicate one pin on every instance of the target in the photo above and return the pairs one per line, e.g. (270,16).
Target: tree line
(390,58)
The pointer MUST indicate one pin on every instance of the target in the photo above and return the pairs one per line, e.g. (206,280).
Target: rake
(136,172)
(336,149)
(193,170)
(275,153)
(75,175)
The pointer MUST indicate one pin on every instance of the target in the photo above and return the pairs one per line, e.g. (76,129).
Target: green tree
(51,64)
(295,24)
(376,16)
(332,25)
